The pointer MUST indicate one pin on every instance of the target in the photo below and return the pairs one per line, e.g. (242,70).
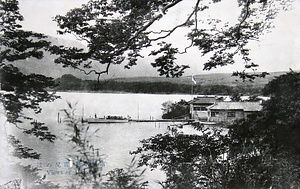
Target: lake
(113,140)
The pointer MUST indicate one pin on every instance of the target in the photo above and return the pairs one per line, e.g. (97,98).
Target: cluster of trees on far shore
(261,152)
(71,83)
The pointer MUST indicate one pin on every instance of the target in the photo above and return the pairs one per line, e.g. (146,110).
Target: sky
(276,51)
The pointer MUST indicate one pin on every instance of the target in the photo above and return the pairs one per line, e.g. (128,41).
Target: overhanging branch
(194,13)
(145,27)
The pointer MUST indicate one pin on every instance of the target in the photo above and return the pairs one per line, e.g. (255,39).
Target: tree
(167,107)
(268,142)
(89,162)
(261,151)
(189,161)
(118,31)
(283,109)
(264,147)
(278,125)
(175,110)
(236,96)
(22,91)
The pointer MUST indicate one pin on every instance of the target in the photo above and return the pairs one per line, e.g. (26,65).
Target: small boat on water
(108,119)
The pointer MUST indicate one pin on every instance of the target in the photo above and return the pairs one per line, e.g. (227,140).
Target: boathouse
(199,105)
(230,111)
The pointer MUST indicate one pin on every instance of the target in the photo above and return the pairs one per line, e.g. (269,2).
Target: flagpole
(192,87)
(192,90)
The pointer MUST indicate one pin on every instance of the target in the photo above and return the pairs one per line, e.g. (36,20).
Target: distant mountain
(205,79)
(46,66)
(117,73)
(209,84)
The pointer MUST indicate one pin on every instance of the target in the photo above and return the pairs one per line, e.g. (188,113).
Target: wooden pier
(162,120)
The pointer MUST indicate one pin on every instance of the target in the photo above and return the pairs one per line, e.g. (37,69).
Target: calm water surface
(114,140)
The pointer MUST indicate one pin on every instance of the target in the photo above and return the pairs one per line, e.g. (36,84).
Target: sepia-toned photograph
(149,94)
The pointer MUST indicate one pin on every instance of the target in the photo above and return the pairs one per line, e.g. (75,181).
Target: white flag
(193,79)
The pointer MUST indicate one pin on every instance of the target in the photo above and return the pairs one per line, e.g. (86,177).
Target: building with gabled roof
(230,111)
(198,107)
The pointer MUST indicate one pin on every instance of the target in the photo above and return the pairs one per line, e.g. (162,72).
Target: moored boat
(108,119)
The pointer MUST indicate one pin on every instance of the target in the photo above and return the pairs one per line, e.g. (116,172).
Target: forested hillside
(156,85)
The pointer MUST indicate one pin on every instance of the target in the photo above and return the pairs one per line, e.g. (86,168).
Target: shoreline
(118,92)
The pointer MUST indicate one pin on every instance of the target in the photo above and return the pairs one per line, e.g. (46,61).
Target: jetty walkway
(162,120)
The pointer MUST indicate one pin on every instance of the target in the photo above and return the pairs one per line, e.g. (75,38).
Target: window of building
(200,109)
(214,114)
(231,114)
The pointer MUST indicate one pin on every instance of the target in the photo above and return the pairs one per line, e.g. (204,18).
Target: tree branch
(196,27)
(180,25)
(99,73)
(246,15)
(145,27)
(81,38)
(164,10)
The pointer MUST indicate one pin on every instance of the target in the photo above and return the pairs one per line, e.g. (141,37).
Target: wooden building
(230,111)
(199,105)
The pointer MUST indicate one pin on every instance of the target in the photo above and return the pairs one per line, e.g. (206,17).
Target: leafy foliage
(189,161)
(40,131)
(166,62)
(17,44)
(32,179)
(283,110)
(20,150)
(236,97)
(117,31)
(175,110)
(259,152)
(22,91)
(89,170)
(71,83)
(129,178)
